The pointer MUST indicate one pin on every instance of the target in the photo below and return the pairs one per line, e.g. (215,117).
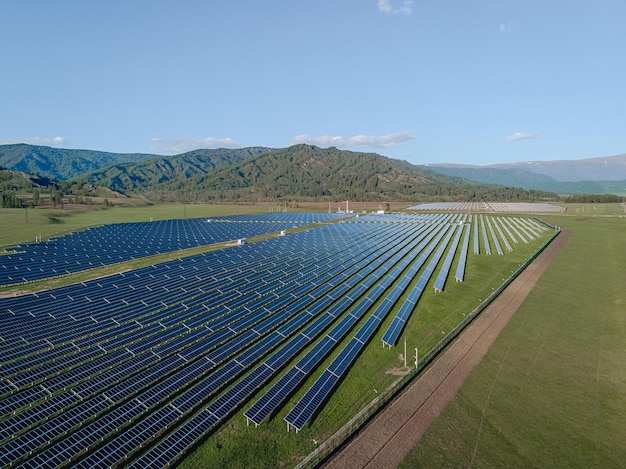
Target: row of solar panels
(109,244)
(105,382)
(405,271)
(385,276)
(319,392)
(526,207)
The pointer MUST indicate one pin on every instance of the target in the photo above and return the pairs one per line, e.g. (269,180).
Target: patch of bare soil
(388,438)
(398,371)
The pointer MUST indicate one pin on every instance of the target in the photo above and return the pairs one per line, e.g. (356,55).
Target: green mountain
(297,172)
(300,172)
(59,163)
(331,173)
(166,173)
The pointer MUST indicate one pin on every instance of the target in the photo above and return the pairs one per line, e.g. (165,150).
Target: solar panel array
(120,242)
(388,267)
(526,207)
(134,369)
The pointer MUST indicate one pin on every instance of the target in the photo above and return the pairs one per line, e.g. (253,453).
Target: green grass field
(551,392)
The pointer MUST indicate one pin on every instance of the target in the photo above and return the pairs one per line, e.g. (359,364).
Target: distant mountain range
(305,171)
(298,172)
(604,175)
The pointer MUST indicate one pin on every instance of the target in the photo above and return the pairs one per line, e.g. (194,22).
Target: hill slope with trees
(300,172)
(166,173)
(60,163)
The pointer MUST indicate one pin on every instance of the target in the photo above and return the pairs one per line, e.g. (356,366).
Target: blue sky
(480,82)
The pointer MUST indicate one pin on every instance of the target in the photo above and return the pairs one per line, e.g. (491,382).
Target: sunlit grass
(551,392)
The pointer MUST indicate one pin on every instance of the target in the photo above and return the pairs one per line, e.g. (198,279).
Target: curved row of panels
(135,368)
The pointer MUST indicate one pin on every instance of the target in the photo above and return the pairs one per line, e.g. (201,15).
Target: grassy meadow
(551,391)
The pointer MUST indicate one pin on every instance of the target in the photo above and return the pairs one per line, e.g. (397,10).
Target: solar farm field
(25,226)
(551,391)
(236,346)
(114,243)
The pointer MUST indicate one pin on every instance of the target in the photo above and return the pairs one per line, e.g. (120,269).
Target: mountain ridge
(304,171)
(601,175)
(297,171)
(60,163)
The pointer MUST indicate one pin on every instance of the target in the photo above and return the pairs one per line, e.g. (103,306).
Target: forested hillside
(301,172)
(166,173)
(14,183)
(60,163)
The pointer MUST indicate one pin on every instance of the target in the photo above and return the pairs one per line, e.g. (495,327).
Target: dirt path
(388,438)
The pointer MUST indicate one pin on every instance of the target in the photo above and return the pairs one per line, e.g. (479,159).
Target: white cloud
(384,6)
(520,136)
(49,142)
(506,27)
(393,140)
(181,145)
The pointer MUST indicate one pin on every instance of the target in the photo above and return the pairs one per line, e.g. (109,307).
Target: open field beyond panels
(138,369)
(551,392)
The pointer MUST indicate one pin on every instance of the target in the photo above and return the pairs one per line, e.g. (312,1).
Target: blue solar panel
(460,270)
(447,263)
(312,401)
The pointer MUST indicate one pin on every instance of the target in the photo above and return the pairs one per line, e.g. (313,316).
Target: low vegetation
(550,392)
